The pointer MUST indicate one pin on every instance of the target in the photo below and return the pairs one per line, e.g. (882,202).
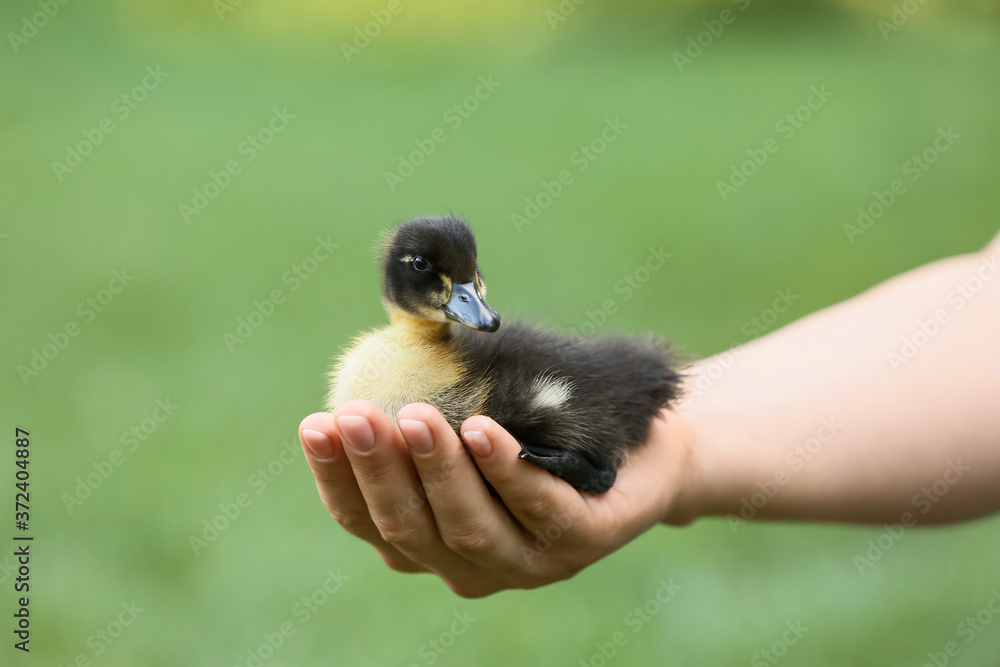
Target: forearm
(833,418)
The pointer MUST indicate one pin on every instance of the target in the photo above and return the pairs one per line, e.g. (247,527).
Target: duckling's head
(430,273)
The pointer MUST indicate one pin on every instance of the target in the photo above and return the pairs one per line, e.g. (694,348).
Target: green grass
(323,176)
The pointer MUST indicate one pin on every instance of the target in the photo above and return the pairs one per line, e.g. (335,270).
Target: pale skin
(833,415)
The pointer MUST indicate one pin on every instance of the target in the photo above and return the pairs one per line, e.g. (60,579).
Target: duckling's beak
(468,307)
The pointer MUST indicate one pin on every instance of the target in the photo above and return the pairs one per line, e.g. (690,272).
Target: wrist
(684,490)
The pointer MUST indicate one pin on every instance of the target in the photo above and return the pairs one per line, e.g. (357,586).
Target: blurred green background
(228,66)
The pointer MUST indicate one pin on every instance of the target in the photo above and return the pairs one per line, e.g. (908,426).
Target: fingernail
(318,443)
(418,436)
(478,442)
(357,432)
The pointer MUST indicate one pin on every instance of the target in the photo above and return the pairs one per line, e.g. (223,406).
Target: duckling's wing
(570,465)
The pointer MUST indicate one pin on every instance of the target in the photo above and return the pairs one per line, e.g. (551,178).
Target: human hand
(414,494)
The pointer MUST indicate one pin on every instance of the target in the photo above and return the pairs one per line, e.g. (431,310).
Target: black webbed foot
(571,466)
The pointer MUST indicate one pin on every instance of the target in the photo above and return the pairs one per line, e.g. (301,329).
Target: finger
(338,489)
(470,521)
(539,500)
(391,488)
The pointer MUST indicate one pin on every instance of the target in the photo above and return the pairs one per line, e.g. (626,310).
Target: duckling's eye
(420,264)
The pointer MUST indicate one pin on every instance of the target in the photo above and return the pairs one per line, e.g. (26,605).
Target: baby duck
(576,406)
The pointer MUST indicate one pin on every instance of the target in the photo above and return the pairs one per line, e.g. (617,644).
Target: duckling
(576,406)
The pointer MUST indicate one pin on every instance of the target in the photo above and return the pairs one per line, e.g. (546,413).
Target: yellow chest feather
(392,369)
